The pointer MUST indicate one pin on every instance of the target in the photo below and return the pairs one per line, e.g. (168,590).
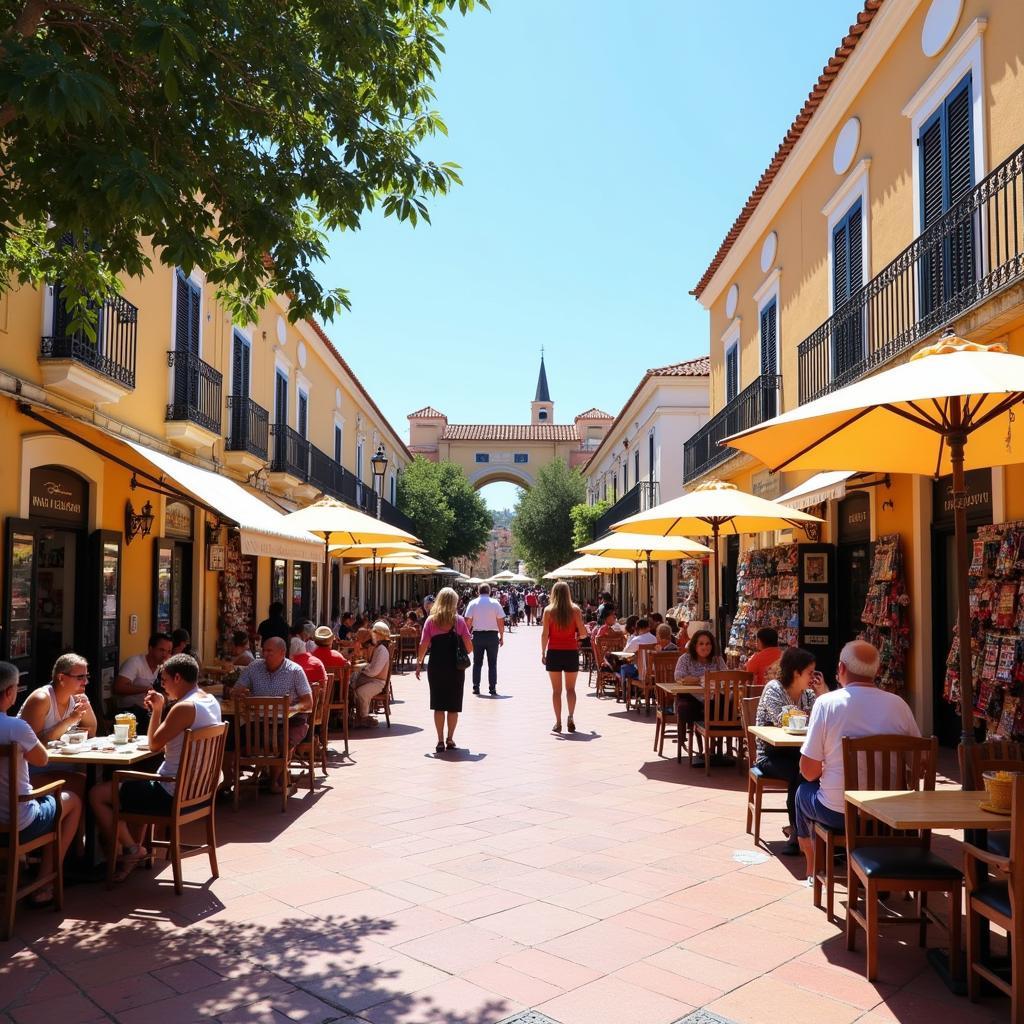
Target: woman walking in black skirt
(559,649)
(444,633)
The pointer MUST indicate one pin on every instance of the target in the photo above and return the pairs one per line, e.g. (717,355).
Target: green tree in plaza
(450,517)
(229,136)
(584,517)
(542,529)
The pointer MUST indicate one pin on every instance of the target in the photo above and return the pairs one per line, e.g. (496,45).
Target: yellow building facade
(891,211)
(145,476)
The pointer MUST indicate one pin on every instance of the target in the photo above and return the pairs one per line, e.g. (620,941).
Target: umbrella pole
(956,441)
(649,607)
(718,587)
(325,587)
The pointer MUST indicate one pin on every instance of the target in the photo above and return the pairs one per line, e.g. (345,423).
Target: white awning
(263,531)
(820,487)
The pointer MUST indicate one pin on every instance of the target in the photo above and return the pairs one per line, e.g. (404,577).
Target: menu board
(22,564)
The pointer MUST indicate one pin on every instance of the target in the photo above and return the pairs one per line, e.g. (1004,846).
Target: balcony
(753,405)
(640,498)
(102,370)
(249,429)
(973,252)
(194,416)
(290,462)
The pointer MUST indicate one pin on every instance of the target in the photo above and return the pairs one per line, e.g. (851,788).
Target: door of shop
(946,717)
(853,563)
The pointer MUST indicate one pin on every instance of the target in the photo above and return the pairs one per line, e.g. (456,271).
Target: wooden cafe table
(776,736)
(928,809)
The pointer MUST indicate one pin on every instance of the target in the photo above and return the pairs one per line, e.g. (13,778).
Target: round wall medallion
(282,331)
(939,24)
(337,398)
(769,248)
(731,299)
(301,352)
(846,146)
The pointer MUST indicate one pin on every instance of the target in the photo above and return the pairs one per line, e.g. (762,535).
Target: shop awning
(261,528)
(820,487)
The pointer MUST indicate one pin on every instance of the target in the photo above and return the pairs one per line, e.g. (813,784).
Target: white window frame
(965,55)
(854,187)
(339,425)
(763,297)
(281,369)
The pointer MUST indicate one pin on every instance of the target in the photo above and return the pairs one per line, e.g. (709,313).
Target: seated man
(136,676)
(240,653)
(373,677)
(35,817)
(858,708)
(643,635)
(274,675)
(766,656)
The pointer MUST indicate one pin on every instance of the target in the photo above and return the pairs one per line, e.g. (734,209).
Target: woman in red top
(559,649)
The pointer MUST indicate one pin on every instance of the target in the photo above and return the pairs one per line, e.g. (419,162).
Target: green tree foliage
(584,517)
(542,529)
(451,518)
(229,136)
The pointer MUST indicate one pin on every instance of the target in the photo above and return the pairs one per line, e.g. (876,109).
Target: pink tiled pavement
(580,875)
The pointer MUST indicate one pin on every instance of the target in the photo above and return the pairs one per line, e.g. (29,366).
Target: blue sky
(606,148)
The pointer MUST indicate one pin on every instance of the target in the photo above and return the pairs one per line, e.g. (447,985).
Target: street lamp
(379,462)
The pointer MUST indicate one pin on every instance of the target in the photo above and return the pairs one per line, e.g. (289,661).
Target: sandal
(439,748)
(449,743)
(129,862)
(557,727)
(571,725)
(41,898)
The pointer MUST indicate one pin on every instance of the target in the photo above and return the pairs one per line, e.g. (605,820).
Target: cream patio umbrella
(505,576)
(638,546)
(338,523)
(949,408)
(709,510)
(569,574)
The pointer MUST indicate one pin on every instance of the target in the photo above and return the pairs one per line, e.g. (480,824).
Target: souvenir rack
(886,615)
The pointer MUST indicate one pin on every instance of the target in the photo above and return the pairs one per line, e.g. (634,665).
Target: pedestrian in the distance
(444,633)
(486,621)
(562,629)
(531,606)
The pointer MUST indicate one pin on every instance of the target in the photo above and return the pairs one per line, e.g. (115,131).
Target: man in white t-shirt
(137,676)
(486,620)
(857,709)
(35,817)
(643,635)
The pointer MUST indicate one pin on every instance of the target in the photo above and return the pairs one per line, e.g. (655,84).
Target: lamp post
(379,462)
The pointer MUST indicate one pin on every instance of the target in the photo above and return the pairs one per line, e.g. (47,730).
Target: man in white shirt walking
(857,709)
(486,622)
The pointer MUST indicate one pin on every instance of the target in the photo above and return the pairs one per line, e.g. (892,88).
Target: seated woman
(193,709)
(370,680)
(701,655)
(35,817)
(56,708)
(797,686)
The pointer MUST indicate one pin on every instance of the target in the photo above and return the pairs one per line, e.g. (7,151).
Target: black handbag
(462,661)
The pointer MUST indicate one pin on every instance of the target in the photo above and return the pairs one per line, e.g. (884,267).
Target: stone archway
(500,475)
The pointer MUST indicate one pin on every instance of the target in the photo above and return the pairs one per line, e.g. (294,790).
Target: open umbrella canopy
(505,576)
(569,574)
(382,548)
(340,524)
(639,547)
(473,581)
(397,561)
(600,563)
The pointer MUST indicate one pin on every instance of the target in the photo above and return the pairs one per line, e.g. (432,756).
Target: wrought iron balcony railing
(292,452)
(753,405)
(639,498)
(249,426)
(112,354)
(197,390)
(973,251)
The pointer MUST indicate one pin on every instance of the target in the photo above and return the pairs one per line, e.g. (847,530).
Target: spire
(542,383)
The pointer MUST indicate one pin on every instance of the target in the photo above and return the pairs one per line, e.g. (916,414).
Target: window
(650,456)
(945,148)
(615,488)
(187,315)
(337,443)
(482,457)
(625,477)
(732,372)
(770,339)
(281,398)
(636,465)
(392,489)
(240,366)
(542,414)
(520,458)
(847,279)
(303,414)
(359,460)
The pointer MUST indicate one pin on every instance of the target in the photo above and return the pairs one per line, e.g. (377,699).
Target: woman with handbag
(446,636)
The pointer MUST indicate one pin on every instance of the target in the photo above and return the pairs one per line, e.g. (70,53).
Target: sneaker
(493,693)
(476,690)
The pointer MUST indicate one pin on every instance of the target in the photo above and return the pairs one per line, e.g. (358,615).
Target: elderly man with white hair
(858,708)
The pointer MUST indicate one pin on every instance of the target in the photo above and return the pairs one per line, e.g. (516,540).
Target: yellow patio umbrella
(709,510)
(949,408)
(569,574)
(639,546)
(399,561)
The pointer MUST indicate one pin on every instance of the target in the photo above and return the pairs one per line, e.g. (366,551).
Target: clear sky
(606,148)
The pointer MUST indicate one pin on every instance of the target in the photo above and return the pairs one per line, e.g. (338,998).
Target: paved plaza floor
(579,876)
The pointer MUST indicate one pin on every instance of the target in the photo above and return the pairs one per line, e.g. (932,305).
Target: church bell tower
(542,409)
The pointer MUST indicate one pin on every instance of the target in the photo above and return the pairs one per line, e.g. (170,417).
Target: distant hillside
(502,517)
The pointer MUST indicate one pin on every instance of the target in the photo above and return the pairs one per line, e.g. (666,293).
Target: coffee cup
(121,730)
(75,737)
(798,721)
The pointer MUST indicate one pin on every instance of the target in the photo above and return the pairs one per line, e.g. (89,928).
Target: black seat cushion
(995,895)
(999,843)
(903,862)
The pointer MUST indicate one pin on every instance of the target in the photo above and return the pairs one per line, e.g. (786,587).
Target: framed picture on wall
(815,568)
(815,611)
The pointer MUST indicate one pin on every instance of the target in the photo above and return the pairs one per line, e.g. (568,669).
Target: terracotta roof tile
(796,129)
(691,368)
(510,432)
(428,412)
(595,414)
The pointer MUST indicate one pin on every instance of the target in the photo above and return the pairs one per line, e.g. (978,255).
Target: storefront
(853,562)
(172,571)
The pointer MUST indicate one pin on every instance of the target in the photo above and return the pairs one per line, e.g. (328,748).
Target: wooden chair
(313,748)
(195,792)
(261,740)
(757,782)
(409,640)
(994,756)
(722,694)
(338,703)
(642,684)
(12,848)
(995,892)
(880,859)
(382,702)
(664,665)
(605,676)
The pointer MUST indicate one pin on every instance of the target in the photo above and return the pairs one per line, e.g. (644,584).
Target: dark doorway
(853,563)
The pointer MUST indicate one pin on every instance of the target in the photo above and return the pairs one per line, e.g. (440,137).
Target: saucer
(120,743)
(985,806)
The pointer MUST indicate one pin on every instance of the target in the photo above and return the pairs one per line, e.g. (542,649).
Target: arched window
(542,414)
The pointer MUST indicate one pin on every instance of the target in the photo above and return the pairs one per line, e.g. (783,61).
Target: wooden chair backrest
(886,762)
(199,768)
(748,717)
(11,753)
(643,653)
(261,726)
(604,644)
(994,756)
(723,692)
(662,667)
